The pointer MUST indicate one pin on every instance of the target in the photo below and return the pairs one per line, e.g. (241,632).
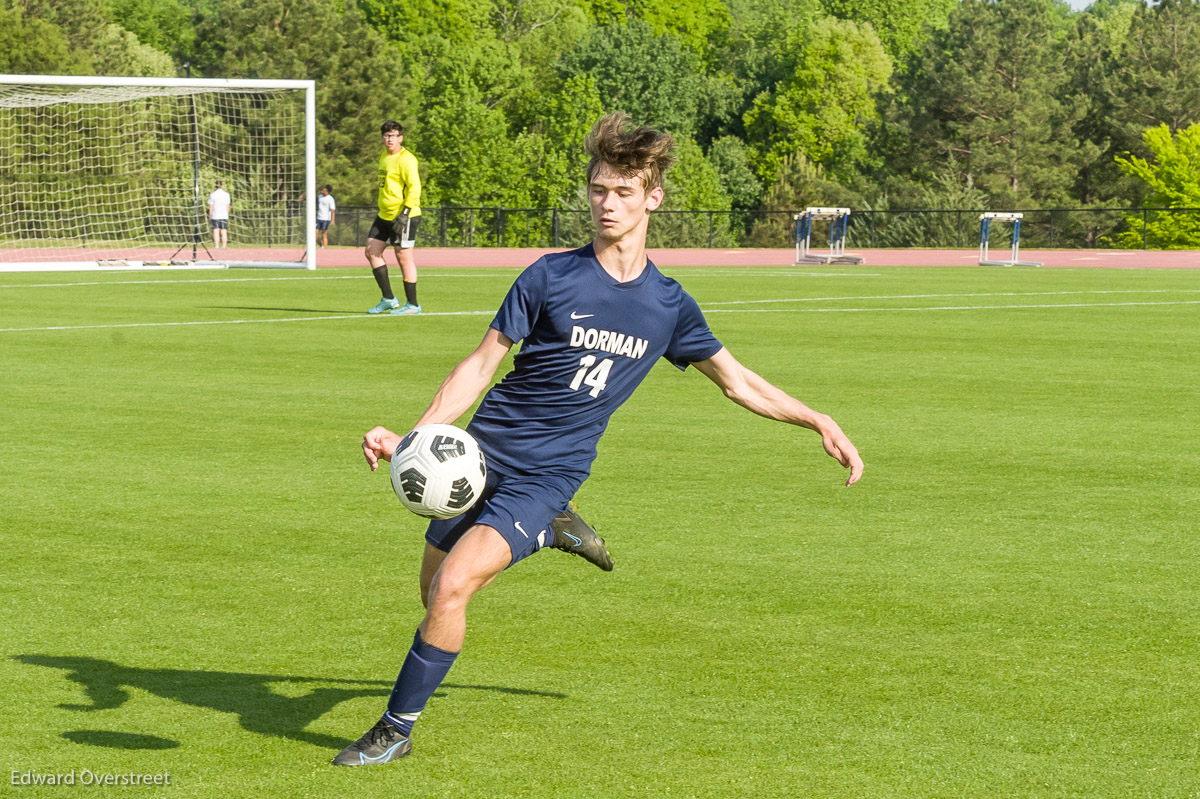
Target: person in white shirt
(219,203)
(326,212)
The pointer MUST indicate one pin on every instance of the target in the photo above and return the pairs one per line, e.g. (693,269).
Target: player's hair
(630,150)
(391,126)
(328,188)
(219,184)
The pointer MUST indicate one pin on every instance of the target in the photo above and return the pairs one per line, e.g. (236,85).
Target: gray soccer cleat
(382,743)
(572,534)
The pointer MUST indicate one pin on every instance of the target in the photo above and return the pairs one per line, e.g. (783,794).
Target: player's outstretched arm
(754,393)
(458,392)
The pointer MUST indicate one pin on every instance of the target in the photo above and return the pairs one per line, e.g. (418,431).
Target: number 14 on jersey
(596,378)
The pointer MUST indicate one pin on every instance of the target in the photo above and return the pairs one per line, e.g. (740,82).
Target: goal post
(116,173)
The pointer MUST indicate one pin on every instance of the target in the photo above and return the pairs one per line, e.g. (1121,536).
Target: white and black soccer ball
(438,471)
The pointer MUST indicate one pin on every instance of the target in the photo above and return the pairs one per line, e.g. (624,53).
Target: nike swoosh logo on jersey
(520,529)
(581,315)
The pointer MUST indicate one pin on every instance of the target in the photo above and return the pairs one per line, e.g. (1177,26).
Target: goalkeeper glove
(400,225)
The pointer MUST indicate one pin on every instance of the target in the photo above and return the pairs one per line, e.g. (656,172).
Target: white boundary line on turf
(950,307)
(430,272)
(211,280)
(229,322)
(711,310)
(981,294)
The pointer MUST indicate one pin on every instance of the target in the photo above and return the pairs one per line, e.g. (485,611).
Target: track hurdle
(838,219)
(985,229)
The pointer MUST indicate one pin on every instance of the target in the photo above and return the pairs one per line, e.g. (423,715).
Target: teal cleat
(407,309)
(385,305)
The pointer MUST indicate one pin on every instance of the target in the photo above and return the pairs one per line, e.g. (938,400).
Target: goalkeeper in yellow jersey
(399,213)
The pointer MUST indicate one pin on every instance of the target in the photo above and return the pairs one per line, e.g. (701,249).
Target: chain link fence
(1057,228)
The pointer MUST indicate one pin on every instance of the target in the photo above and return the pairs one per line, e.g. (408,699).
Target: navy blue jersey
(587,342)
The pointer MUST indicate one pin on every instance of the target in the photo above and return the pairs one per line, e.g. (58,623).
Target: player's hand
(839,447)
(378,444)
(400,225)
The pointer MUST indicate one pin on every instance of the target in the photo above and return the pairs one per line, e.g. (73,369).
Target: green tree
(694,22)
(989,92)
(165,25)
(799,184)
(359,79)
(1094,37)
(32,46)
(1173,180)
(902,25)
(731,159)
(1138,66)
(651,76)
(554,168)
(1154,78)
(833,70)
(464,146)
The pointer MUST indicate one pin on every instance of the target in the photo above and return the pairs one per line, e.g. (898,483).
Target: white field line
(212,280)
(943,296)
(951,307)
(430,274)
(710,310)
(230,322)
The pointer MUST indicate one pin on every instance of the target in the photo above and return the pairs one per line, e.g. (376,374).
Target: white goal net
(110,173)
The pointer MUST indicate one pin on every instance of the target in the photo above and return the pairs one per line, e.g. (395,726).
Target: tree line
(776,104)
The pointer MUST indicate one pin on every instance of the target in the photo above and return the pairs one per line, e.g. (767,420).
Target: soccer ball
(438,471)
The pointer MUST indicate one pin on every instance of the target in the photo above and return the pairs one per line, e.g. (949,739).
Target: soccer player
(326,213)
(219,203)
(593,322)
(399,213)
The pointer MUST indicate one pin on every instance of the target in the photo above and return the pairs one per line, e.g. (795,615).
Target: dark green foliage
(651,76)
(732,161)
(1025,101)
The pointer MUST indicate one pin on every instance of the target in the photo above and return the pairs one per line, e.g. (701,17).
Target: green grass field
(202,578)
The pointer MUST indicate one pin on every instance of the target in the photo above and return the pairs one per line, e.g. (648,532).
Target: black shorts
(220,224)
(381,230)
(323,224)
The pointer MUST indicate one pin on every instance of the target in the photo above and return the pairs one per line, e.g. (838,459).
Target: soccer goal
(839,221)
(985,231)
(117,173)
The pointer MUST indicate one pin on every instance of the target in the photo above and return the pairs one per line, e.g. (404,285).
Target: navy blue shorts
(323,224)
(519,508)
(220,224)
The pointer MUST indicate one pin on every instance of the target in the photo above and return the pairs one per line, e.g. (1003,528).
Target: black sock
(410,292)
(385,285)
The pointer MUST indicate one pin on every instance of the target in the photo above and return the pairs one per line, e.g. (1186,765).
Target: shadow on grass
(268,704)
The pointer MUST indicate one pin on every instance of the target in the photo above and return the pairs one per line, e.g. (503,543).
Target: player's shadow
(268,704)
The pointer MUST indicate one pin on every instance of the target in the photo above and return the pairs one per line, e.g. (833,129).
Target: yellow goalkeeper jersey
(399,184)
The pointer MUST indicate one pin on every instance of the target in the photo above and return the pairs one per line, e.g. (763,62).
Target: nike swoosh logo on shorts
(581,315)
(520,529)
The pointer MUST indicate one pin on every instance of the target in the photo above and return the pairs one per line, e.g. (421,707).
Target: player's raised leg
(480,555)
(572,534)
